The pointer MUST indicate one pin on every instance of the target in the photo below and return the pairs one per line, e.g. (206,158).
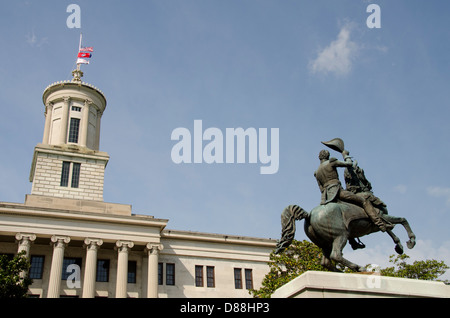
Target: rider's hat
(335,144)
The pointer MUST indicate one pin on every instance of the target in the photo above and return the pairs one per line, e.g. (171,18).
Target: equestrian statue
(343,214)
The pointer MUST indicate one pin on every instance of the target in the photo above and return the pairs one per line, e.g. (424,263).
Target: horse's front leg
(400,220)
(337,256)
(398,244)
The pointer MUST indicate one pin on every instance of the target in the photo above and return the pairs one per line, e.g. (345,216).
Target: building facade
(81,246)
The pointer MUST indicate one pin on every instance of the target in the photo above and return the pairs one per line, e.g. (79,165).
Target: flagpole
(79,49)
(81,58)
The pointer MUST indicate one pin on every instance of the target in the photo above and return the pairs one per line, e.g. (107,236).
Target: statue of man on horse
(328,179)
(343,214)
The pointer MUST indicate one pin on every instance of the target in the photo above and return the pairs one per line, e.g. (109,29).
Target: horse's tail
(289,215)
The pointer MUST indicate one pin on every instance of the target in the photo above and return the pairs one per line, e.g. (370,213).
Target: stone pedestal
(314,284)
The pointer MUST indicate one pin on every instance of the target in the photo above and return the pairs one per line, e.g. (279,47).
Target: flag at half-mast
(84,53)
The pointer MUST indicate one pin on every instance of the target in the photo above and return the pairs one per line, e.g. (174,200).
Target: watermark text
(228,147)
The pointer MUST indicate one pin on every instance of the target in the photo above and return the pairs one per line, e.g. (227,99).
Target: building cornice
(217,238)
(30,211)
(68,84)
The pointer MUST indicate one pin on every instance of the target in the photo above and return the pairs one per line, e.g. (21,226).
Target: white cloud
(338,56)
(440,192)
(33,40)
(401,188)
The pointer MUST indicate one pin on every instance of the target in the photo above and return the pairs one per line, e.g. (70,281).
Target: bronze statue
(343,214)
(328,179)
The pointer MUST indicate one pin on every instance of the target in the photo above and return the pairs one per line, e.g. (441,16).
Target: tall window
(248,279)
(160,273)
(198,276)
(102,270)
(66,175)
(75,174)
(131,272)
(66,263)
(210,281)
(238,278)
(170,274)
(37,267)
(74,129)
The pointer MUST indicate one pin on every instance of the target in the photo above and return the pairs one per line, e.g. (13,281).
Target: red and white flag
(84,55)
(87,49)
(82,61)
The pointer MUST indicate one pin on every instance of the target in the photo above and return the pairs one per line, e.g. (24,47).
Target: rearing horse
(330,226)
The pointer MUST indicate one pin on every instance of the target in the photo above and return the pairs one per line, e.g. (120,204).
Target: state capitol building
(68,231)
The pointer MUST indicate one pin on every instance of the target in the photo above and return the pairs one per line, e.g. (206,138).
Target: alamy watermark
(374,280)
(74,279)
(74,19)
(374,19)
(228,147)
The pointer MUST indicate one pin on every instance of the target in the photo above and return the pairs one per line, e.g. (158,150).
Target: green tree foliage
(298,258)
(12,284)
(426,270)
(302,256)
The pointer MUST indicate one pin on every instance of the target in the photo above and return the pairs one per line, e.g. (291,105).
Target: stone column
(25,240)
(48,123)
(54,284)
(92,246)
(85,123)
(123,248)
(97,130)
(153,254)
(64,120)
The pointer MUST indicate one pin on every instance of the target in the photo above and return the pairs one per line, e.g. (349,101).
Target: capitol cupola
(68,163)
(73,110)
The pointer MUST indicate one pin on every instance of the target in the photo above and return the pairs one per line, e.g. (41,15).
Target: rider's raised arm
(337,163)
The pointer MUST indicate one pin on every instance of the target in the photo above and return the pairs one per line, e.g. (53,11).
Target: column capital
(123,246)
(48,107)
(59,240)
(153,248)
(24,241)
(25,237)
(92,243)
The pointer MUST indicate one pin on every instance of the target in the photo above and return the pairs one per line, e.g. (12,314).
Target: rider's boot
(374,216)
(356,244)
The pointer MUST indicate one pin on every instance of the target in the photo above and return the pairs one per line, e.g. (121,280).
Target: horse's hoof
(399,249)
(411,243)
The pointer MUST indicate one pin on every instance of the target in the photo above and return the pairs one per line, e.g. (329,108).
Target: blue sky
(314,70)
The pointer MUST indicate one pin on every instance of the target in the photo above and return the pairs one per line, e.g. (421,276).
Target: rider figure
(328,180)
(356,182)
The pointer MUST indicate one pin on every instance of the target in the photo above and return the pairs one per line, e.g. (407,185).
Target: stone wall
(47,177)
